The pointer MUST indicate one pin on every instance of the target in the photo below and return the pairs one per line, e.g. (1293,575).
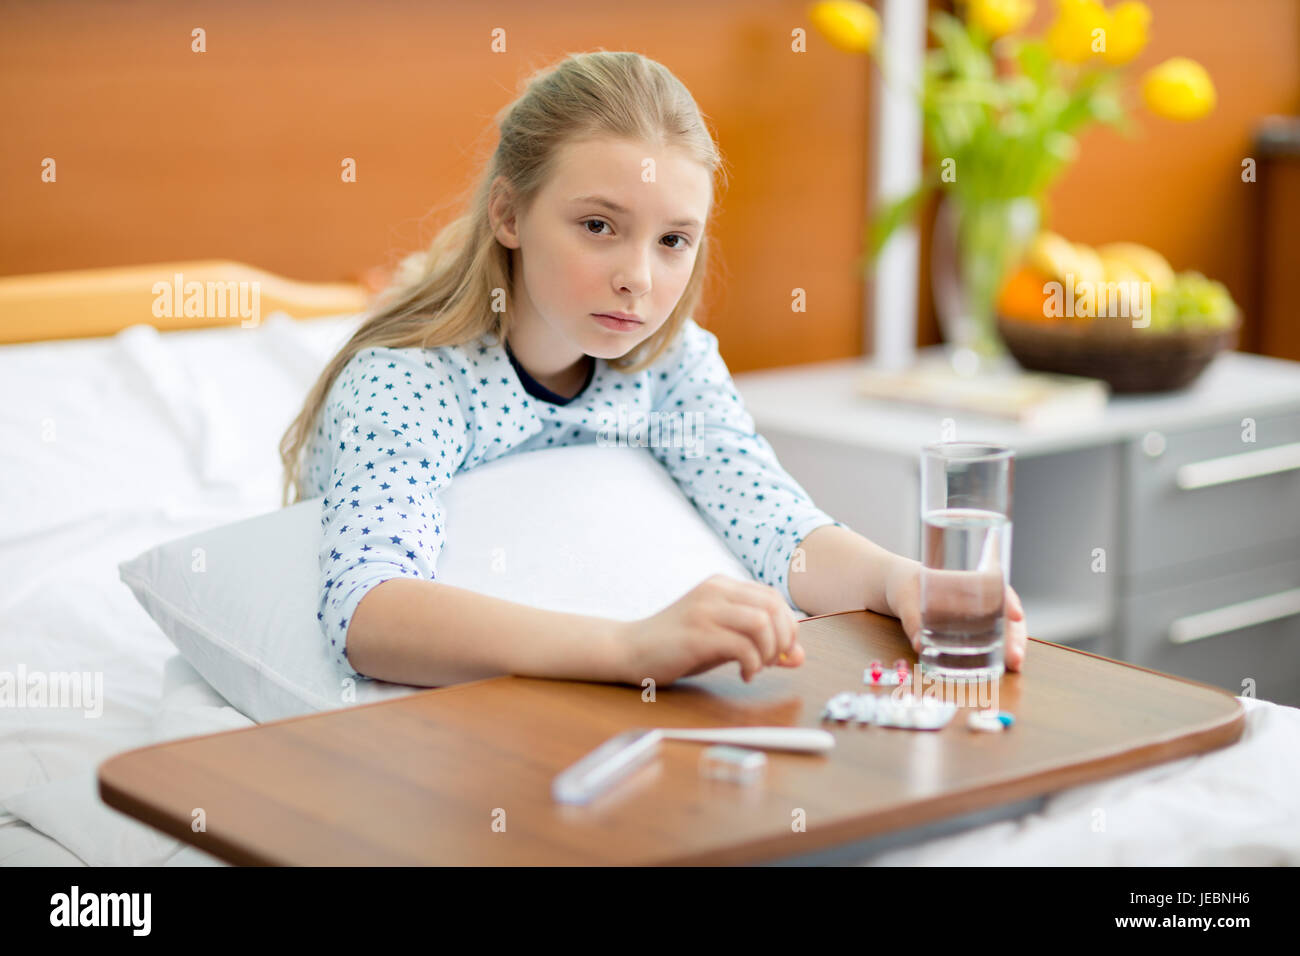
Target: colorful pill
(990,721)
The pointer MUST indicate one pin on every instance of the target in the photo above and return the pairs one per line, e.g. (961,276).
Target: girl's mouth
(618,325)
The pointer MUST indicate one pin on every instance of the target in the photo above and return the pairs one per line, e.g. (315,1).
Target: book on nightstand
(1032,399)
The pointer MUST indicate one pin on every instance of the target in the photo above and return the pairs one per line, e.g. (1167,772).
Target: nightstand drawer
(1204,492)
(1223,631)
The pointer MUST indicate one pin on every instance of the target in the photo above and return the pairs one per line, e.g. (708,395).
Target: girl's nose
(634,278)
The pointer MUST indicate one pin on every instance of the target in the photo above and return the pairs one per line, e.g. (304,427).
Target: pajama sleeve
(398,437)
(732,475)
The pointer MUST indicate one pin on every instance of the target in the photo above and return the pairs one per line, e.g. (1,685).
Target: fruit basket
(1127,359)
(1188,320)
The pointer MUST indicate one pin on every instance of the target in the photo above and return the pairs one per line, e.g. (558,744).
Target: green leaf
(892,215)
(965,57)
(1105,106)
(1034,60)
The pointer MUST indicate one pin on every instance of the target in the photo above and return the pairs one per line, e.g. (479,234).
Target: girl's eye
(681,244)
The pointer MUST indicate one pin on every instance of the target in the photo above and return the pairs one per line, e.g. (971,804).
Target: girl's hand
(719,620)
(903,592)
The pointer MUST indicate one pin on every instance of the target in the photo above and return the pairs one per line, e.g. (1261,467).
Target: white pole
(898,170)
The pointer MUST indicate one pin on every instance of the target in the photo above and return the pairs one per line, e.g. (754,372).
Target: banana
(1061,259)
(1122,282)
(1052,255)
(1127,265)
(1088,265)
(1119,270)
(1149,265)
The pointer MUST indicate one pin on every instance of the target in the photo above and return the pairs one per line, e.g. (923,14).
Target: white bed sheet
(111,446)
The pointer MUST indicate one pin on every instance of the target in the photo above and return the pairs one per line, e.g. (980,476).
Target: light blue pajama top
(398,424)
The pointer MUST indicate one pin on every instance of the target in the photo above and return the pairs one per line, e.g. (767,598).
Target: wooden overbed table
(462,775)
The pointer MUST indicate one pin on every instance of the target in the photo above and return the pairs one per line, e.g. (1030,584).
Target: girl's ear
(501,213)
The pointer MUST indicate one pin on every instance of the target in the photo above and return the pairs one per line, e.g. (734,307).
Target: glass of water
(965,557)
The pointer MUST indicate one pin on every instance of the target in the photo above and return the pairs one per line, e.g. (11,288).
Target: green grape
(1164,311)
(1200,303)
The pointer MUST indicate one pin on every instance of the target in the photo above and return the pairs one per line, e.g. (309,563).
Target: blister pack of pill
(876,675)
(887,710)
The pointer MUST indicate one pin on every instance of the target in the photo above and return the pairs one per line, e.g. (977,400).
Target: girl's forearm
(841,571)
(413,631)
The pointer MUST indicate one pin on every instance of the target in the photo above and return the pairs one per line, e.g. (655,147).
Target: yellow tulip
(849,24)
(1079,31)
(1178,89)
(1086,32)
(1127,34)
(1000,17)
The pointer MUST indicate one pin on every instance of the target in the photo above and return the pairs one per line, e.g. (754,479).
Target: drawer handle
(1235,617)
(1251,464)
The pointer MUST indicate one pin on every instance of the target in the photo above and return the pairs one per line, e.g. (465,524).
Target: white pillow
(586,529)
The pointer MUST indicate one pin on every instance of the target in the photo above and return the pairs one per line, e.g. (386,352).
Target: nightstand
(1165,532)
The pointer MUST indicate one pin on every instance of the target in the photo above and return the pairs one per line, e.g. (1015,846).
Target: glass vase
(975,242)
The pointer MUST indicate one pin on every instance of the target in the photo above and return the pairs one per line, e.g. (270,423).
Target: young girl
(568,287)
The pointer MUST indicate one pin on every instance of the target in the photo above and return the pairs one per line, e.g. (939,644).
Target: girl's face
(616,228)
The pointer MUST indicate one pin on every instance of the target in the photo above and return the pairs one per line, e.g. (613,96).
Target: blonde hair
(442,296)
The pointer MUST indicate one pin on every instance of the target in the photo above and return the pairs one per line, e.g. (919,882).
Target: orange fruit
(1022,296)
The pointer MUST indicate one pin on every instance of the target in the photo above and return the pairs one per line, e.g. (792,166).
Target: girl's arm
(730,472)
(396,436)
(842,570)
(427,633)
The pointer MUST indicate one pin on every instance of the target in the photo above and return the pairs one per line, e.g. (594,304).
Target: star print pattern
(399,424)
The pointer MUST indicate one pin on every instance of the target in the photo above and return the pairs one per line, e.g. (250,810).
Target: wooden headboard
(168,296)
